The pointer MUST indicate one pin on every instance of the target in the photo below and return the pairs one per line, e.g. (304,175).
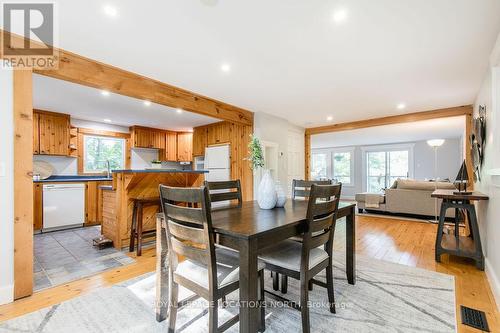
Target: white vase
(266,196)
(281,195)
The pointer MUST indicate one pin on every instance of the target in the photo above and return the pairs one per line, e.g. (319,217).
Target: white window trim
(124,146)
(392,147)
(329,161)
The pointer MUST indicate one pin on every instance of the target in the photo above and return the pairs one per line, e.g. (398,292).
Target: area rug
(387,297)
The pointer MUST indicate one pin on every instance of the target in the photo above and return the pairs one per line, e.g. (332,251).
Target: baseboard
(493,280)
(6,294)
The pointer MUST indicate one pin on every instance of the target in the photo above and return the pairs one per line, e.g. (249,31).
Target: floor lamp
(435,144)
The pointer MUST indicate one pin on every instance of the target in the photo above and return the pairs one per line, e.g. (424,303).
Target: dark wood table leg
(249,309)
(479,257)
(351,246)
(161,272)
(439,235)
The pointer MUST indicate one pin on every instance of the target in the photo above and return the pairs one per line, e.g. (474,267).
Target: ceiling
(443,128)
(291,58)
(87,103)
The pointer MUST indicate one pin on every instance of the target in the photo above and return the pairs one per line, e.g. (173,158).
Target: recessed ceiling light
(179,110)
(107,120)
(147,103)
(401,106)
(329,118)
(340,15)
(105,92)
(225,68)
(110,11)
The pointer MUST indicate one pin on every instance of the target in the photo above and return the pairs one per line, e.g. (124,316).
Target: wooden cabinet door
(91,203)
(158,139)
(54,134)
(142,138)
(36,133)
(219,133)
(37,206)
(184,147)
(171,146)
(199,141)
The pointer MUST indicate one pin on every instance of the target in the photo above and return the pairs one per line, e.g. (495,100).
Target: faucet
(108,169)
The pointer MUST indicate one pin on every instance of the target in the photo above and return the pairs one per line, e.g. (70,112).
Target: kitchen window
(98,150)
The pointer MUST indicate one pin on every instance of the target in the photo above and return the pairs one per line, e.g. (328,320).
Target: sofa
(405,196)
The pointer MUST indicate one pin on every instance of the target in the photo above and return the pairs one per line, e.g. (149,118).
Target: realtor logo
(28,36)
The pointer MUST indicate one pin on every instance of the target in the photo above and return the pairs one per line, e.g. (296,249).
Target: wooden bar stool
(136,231)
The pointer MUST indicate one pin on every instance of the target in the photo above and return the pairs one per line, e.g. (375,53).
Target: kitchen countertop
(158,171)
(75,178)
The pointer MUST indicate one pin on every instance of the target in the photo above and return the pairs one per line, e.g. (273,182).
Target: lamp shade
(435,142)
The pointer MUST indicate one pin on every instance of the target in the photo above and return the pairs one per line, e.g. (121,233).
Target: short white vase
(266,196)
(280,192)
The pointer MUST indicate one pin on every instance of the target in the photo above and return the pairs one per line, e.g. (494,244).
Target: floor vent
(474,318)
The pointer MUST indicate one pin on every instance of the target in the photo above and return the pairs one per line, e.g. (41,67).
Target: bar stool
(136,231)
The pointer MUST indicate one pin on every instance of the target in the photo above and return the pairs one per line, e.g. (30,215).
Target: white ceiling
(89,104)
(289,58)
(444,128)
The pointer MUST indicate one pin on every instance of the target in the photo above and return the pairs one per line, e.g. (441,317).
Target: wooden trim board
(402,118)
(23,183)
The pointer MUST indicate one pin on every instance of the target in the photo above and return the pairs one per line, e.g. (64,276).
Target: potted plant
(266,193)
(156,164)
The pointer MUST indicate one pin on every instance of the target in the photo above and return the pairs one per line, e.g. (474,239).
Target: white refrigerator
(218,163)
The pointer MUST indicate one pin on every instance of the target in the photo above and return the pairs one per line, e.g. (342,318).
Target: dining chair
(301,190)
(304,260)
(208,271)
(225,191)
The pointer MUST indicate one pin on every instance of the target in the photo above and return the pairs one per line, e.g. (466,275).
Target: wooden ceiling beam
(389,120)
(85,71)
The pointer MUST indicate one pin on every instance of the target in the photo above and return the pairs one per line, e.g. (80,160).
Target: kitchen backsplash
(63,166)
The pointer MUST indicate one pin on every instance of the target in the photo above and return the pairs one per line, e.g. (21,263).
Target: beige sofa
(406,196)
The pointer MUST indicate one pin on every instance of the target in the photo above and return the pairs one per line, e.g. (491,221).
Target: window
(384,166)
(319,164)
(342,167)
(334,164)
(100,149)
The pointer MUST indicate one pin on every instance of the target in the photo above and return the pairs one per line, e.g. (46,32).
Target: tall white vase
(266,196)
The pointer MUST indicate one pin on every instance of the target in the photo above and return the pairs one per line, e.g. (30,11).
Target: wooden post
(23,183)
(307,144)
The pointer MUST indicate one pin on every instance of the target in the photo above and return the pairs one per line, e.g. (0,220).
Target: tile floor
(68,255)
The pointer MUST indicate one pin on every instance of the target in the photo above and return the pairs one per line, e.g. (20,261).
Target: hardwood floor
(399,241)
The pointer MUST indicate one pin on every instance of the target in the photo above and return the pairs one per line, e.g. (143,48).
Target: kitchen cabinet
(53,133)
(199,141)
(94,202)
(218,133)
(144,137)
(36,133)
(184,146)
(170,146)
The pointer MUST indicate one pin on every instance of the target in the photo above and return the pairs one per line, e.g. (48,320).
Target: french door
(384,167)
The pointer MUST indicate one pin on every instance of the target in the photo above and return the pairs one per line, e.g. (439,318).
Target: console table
(463,246)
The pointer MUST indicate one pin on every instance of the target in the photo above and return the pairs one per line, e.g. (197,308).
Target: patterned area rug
(386,298)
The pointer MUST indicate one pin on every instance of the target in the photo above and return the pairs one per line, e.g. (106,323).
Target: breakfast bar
(129,185)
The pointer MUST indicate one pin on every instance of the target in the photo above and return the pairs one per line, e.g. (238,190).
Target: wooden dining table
(250,230)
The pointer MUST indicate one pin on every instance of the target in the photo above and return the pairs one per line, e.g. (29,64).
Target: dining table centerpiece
(266,192)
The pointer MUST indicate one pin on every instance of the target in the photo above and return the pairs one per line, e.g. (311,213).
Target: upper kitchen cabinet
(219,133)
(170,146)
(184,146)
(144,137)
(199,141)
(51,133)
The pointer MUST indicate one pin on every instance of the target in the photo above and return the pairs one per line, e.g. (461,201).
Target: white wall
(140,158)
(63,165)
(489,212)
(276,130)
(6,189)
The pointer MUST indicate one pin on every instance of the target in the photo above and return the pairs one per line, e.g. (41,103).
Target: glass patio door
(384,167)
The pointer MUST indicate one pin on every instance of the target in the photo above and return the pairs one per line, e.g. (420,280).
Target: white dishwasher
(63,206)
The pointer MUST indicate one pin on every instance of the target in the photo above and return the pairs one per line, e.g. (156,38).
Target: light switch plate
(2,169)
